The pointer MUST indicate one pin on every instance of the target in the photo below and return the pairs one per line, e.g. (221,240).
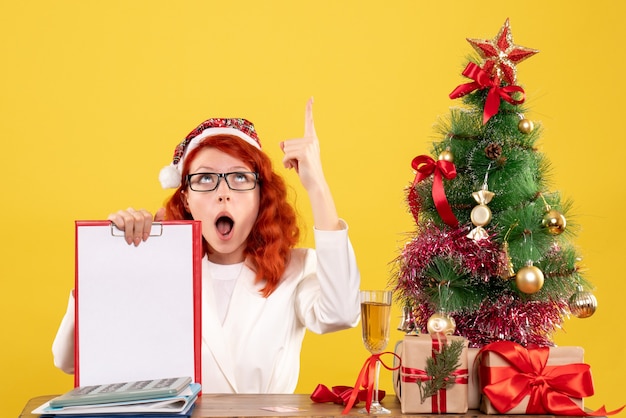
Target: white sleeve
(63,344)
(329,292)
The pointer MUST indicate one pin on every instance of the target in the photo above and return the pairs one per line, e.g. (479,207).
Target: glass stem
(375,396)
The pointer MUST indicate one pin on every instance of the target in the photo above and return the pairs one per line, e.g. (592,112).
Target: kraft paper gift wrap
(396,368)
(504,385)
(414,351)
(473,387)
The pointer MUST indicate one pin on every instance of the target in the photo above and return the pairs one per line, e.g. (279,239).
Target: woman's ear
(183,195)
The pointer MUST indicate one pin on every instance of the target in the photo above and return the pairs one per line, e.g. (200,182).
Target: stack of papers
(126,400)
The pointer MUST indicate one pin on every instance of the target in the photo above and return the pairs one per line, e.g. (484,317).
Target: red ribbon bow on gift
(482,80)
(366,379)
(424,167)
(550,387)
(340,394)
(438,402)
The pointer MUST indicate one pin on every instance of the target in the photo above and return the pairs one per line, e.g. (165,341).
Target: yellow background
(94,95)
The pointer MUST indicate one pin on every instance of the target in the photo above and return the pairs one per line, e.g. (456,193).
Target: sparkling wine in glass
(375,314)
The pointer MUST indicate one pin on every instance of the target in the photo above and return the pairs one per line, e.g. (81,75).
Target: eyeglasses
(238,180)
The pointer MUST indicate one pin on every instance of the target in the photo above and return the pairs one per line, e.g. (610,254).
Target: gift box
(419,387)
(396,369)
(473,387)
(540,380)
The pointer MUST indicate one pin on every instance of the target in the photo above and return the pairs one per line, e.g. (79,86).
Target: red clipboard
(138,308)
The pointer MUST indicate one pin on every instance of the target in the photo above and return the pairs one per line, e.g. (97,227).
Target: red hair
(275,231)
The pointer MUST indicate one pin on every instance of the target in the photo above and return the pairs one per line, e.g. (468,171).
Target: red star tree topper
(501,54)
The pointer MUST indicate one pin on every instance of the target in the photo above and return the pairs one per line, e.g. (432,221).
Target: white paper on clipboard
(137,307)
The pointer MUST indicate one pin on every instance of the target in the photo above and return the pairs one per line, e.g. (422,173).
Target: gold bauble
(582,304)
(446,155)
(554,221)
(480,215)
(441,323)
(529,279)
(525,126)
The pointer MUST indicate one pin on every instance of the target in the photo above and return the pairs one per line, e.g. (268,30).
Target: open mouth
(224,225)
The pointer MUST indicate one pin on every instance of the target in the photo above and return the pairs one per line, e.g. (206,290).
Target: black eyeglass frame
(221,176)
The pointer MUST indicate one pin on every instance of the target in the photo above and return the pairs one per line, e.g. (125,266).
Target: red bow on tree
(424,167)
(482,80)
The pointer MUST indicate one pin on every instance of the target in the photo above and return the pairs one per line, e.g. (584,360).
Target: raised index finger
(309,125)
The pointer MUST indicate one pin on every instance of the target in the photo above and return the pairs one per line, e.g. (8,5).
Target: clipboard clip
(155,231)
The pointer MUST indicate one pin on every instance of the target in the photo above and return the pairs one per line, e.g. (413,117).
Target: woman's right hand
(136,224)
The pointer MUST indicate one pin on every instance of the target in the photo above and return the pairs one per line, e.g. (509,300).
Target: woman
(260,293)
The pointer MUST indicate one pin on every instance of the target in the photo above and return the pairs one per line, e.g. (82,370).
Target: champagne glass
(375,313)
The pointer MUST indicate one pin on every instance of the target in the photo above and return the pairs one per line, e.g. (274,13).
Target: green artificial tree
(492,255)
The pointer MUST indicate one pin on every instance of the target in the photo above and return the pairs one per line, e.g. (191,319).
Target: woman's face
(227,215)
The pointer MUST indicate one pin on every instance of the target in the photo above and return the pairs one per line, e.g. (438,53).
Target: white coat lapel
(212,332)
(226,341)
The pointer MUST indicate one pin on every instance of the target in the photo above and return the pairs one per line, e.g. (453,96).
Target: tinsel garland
(509,316)
(505,318)
(482,259)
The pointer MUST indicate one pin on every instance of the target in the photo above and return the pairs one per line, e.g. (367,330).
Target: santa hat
(171,175)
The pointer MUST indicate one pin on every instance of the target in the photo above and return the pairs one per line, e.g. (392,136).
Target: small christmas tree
(491,258)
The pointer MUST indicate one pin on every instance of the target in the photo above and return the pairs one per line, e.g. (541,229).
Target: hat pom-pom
(169,177)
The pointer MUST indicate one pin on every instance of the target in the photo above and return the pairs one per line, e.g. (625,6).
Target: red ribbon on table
(340,394)
(482,80)
(424,166)
(412,375)
(366,380)
(550,387)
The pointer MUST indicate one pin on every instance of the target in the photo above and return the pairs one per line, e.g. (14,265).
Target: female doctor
(259,293)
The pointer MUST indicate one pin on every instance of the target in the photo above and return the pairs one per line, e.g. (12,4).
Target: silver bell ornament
(407,321)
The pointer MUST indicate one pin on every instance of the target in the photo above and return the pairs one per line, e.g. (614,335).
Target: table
(300,405)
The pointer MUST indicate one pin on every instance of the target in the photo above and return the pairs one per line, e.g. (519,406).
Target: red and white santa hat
(171,175)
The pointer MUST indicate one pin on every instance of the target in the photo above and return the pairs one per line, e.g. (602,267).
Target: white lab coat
(257,348)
